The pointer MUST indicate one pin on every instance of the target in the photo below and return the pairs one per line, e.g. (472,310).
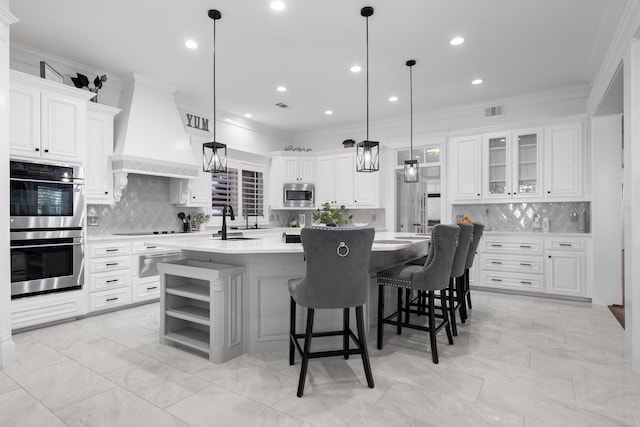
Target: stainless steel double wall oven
(47,211)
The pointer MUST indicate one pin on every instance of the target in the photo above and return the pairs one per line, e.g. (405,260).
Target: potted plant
(332,217)
(201,219)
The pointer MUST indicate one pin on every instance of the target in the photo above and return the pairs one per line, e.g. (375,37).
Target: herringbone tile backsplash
(563,217)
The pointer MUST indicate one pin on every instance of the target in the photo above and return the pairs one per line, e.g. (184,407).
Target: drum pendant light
(367,152)
(214,154)
(411,165)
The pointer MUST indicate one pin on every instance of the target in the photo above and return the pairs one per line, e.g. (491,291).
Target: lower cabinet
(549,264)
(41,309)
(202,307)
(109,275)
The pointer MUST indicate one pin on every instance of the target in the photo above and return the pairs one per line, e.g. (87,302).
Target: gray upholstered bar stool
(337,277)
(478,229)
(431,277)
(456,285)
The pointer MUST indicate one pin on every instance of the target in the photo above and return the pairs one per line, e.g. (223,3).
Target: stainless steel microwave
(298,195)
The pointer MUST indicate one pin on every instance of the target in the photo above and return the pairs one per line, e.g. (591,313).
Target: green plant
(201,218)
(332,216)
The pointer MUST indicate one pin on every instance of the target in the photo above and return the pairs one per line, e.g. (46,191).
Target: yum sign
(197,122)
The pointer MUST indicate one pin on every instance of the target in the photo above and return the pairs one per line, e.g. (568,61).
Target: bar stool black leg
(292,332)
(345,332)
(467,288)
(305,353)
(407,298)
(452,309)
(432,327)
(447,326)
(380,314)
(399,317)
(362,338)
(460,298)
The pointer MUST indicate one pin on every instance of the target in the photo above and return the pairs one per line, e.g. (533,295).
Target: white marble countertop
(536,233)
(268,243)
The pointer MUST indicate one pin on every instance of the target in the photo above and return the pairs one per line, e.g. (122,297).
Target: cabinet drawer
(112,249)
(510,263)
(502,246)
(108,264)
(566,245)
(512,281)
(142,248)
(108,280)
(108,299)
(146,289)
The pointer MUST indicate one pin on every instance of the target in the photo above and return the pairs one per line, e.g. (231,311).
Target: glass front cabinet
(512,164)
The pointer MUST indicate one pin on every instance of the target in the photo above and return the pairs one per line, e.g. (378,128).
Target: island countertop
(272,243)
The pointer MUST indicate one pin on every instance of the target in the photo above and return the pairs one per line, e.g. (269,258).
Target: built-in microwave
(298,195)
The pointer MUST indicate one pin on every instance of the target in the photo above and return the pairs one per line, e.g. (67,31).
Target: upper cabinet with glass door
(512,165)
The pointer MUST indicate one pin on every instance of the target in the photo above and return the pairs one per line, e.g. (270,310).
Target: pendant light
(367,152)
(214,154)
(411,165)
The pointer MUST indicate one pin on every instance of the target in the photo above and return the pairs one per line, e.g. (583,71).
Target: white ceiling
(516,46)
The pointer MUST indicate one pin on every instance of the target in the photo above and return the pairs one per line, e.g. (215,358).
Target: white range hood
(150,138)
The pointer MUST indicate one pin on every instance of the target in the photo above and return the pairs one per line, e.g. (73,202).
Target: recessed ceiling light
(393,99)
(456,41)
(281,89)
(477,81)
(278,5)
(191,44)
(355,69)
(248,115)
(328,112)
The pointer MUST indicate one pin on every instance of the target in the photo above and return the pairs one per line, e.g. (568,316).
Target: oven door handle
(45,245)
(70,181)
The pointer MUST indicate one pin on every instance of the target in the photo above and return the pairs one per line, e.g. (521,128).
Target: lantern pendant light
(411,165)
(214,154)
(367,152)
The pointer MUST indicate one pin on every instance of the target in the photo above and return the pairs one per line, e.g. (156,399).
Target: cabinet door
(564,162)
(565,273)
(98,176)
(526,165)
(63,127)
(25,121)
(497,165)
(366,189)
(344,168)
(465,168)
(290,165)
(276,179)
(306,169)
(324,184)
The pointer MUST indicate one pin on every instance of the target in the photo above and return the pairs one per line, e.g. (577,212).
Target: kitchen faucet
(224,219)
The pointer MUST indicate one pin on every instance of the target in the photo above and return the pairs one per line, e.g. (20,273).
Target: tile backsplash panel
(563,217)
(373,217)
(144,206)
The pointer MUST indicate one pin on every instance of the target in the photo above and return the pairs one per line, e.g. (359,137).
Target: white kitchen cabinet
(47,308)
(109,275)
(564,162)
(98,174)
(465,169)
(193,192)
(286,169)
(566,266)
(48,120)
(366,190)
(512,166)
(336,179)
(299,169)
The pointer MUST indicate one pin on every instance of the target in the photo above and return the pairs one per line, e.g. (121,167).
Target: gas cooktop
(143,233)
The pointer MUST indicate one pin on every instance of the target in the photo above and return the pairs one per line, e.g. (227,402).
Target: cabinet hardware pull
(566,244)
(525,246)
(496,245)
(112,299)
(112,250)
(496,262)
(526,283)
(111,264)
(106,192)
(548,192)
(113,280)
(525,264)
(37,149)
(496,280)
(152,288)
(151,247)
(46,150)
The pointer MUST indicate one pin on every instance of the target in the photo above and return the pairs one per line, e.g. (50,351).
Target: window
(252,193)
(224,190)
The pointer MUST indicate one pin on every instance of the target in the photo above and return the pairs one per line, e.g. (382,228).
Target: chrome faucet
(224,219)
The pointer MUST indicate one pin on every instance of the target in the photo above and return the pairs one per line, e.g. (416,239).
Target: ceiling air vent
(495,111)
(281,105)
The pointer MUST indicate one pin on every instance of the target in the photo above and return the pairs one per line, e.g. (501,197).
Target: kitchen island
(260,304)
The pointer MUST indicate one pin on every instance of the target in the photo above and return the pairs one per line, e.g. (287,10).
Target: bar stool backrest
(337,267)
(475,241)
(437,268)
(460,259)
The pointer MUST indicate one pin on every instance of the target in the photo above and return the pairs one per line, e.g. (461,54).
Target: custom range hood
(150,138)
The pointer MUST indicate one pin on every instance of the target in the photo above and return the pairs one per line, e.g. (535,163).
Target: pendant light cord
(214,79)
(367,79)
(411,111)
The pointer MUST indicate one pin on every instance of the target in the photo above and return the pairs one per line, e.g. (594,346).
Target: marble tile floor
(518,361)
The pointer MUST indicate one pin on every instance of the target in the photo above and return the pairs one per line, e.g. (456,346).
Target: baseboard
(7,352)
